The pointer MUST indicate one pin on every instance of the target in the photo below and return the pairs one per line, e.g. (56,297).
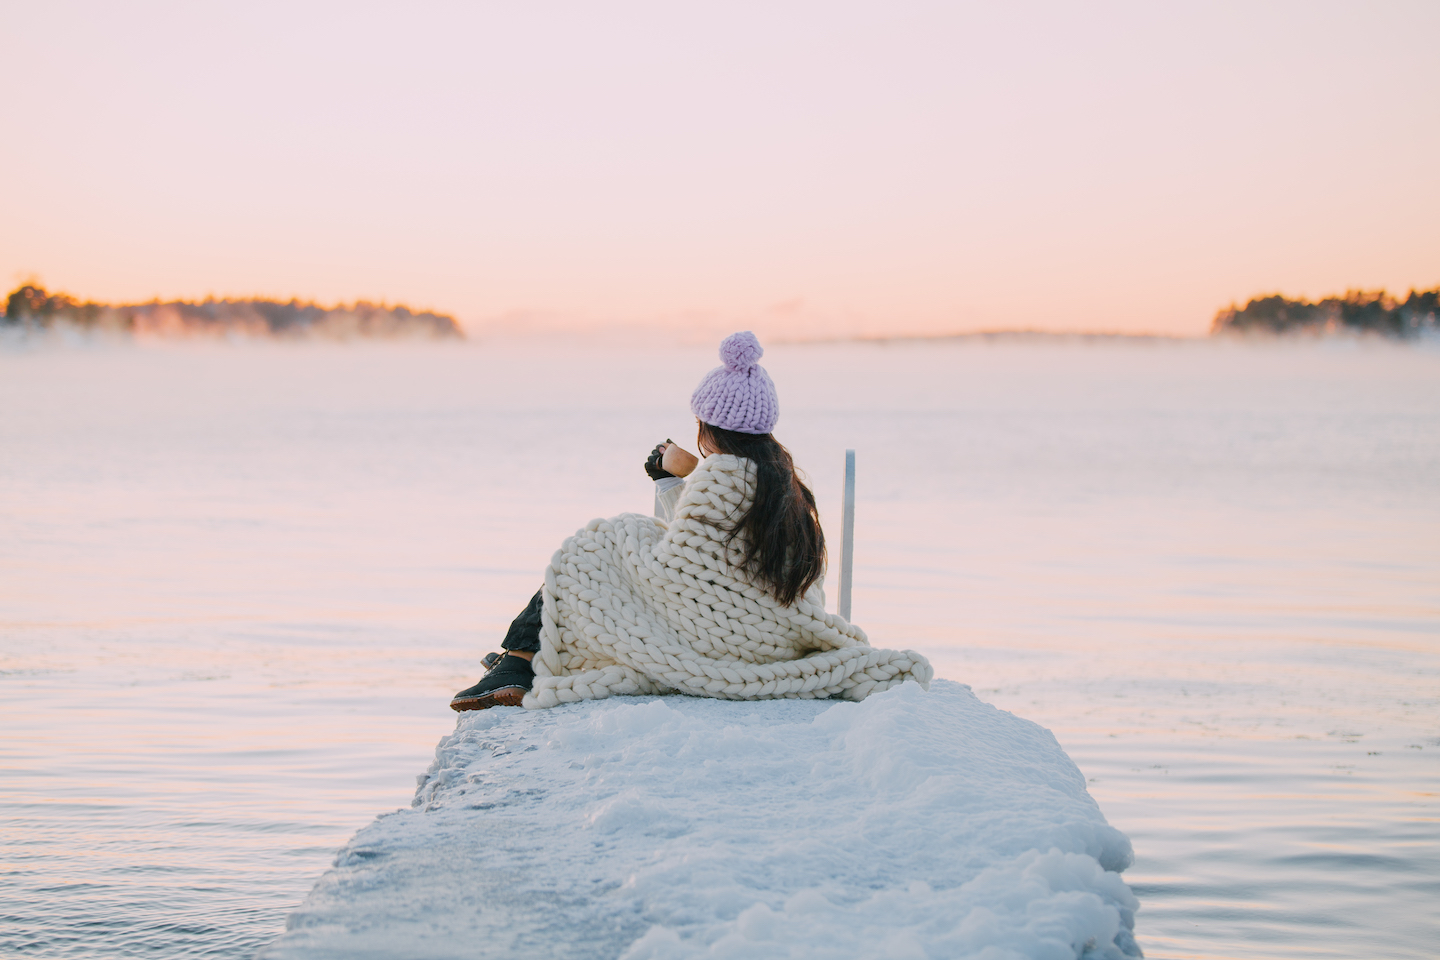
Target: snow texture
(909,825)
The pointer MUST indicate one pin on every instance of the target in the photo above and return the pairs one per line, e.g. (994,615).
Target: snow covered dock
(910,825)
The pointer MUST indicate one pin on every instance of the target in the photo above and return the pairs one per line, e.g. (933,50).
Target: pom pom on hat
(739,396)
(740,351)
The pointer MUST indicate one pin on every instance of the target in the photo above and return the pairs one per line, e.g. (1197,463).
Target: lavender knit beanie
(740,395)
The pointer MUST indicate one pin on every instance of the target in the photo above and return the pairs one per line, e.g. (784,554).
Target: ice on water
(911,824)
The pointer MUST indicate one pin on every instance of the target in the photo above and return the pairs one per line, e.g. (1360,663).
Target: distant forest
(30,306)
(1359,311)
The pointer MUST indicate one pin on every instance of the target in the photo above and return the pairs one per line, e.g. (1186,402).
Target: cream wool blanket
(633,605)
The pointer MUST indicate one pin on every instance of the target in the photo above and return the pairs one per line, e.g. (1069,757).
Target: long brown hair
(783,545)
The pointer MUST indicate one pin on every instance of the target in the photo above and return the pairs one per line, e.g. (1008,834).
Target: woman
(718,595)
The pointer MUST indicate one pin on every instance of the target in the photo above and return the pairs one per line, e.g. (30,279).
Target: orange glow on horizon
(815,171)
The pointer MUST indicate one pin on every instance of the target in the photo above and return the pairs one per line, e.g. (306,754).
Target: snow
(909,825)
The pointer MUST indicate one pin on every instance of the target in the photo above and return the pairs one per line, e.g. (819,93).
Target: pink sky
(809,168)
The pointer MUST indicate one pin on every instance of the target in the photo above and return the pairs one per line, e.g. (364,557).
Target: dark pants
(524,632)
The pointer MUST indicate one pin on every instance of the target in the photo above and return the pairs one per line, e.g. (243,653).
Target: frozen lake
(238,585)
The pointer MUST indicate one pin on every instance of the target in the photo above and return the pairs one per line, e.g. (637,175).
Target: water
(239,583)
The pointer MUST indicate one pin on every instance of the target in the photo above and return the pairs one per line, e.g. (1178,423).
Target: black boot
(504,686)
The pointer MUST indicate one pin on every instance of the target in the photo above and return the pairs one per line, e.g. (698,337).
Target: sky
(804,169)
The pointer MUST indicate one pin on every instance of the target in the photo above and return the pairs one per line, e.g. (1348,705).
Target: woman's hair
(784,548)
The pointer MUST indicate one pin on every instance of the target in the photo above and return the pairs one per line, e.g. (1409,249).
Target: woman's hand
(653,466)
(677,462)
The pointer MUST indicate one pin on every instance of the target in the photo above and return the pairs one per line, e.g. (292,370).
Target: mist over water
(238,585)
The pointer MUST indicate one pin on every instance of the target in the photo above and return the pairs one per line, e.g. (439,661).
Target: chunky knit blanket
(634,605)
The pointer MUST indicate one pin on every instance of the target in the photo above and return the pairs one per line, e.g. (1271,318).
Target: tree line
(31,306)
(1358,311)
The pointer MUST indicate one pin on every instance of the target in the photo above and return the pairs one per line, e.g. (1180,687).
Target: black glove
(652,462)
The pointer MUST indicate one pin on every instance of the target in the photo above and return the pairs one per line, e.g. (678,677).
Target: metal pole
(847,535)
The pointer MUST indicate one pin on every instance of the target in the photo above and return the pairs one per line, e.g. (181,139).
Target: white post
(847,535)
